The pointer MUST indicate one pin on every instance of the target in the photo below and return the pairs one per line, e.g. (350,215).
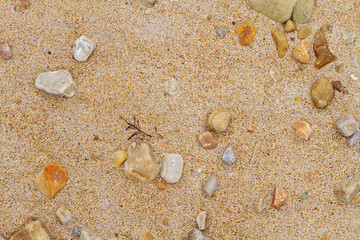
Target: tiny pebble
(5,51)
(85,235)
(251,128)
(172,87)
(304,195)
(340,68)
(119,158)
(161,186)
(210,185)
(261,202)
(302,129)
(172,167)
(206,140)
(145,236)
(228,157)
(304,32)
(64,215)
(219,120)
(221,33)
(83,48)
(201,220)
(246,32)
(290,26)
(301,52)
(58,83)
(346,190)
(347,125)
(353,139)
(75,232)
(322,91)
(281,42)
(349,38)
(279,197)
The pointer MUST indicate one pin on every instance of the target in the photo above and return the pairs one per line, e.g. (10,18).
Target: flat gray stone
(278,10)
(58,83)
(303,10)
(221,33)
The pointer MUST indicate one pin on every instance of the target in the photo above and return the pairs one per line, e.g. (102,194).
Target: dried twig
(135,126)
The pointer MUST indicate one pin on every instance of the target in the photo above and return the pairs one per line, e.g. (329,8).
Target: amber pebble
(206,140)
(302,129)
(304,32)
(246,32)
(322,92)
(301,52)
(290,26)
(322,52)
(32,231)
(161,186)
(251,128)
(279,197)
(51,179)
(281,42)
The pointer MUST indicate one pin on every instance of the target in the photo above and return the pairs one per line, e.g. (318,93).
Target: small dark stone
(49,52)
(340,87)
(96,138)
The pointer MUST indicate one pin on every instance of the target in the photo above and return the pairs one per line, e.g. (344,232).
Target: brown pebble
(322,91)
(206,140)
(18,100)
(340,68)
(304,32)
(281,42)
(146,236)
(302,129)
(279,197)
(219,120)
(290,26)
(51,179)
(321,49)
(246,32)
(5,51)
(301,52)
(340,87)
(22,5)
(251,128)
(161,186)
(165,221)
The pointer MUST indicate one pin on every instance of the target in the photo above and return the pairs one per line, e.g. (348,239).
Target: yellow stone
(281,42)
(246,32)
(51,179)
(119,158)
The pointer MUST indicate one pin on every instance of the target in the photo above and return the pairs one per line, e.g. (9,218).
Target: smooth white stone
(347,125)
(171,167)
(57,82)
(349,38)
(64,215)
(172,87)
(210,185)
(228,157)
(83,48)
(201,220)
(353,139)
(85,235)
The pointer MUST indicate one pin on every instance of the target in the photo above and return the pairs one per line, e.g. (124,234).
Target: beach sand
(135,54)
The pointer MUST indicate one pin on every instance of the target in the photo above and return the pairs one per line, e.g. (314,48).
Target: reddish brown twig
(135,126)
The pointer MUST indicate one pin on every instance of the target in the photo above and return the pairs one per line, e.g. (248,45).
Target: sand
(135,54)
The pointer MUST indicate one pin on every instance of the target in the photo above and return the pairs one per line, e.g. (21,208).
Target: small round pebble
(346,190)
(304,32)
(251,128)
(210,185)
(161,186)
(201,220)
(119,158)
(228,156)
(172,87)
(302,129)
(219,120)
(347,125)
(290,26)
(5,51)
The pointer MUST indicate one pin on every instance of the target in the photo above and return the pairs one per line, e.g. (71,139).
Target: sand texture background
(135,54)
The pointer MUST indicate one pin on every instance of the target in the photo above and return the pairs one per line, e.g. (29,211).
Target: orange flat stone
(246,32)
(51,179)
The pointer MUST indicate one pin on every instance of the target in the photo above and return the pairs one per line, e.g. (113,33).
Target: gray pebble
(228,156)
(353,139)
(75,232)
(221,33)
(210,185)
(347,125)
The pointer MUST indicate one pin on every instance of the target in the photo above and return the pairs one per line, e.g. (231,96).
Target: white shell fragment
(172,87)
(58,83)
(64,215)
(85,235)
(228,157)
(201,220)
(171,167)
(210,185)
(83,48)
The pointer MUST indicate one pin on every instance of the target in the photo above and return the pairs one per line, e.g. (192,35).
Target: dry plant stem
(135,126)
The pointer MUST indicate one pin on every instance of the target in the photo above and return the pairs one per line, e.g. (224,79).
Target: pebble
(146,236)
(161,186)
(303,10)
(279,197)
(302,129)
(76,231)
(301,52)
(119,158)
(64,215)
(261,202)
(340,68)
(221,33)
(57,82)
(172,167)
(290,26)
(206,140)
(322,92)
(85,235)
(353,77)
(346,190)
(246,32)
(281,42)
(353,139)
(141,166)
(340,87)
(251,128)
(148,11)
(5,51)
(83,48)
(32,231)
(278,10)
(347,125)
(228,156)
(219,120)
(349,38)
(322,52)
(304,32)
(210,185)
(172,87)
(51,179)
(304,196)
(148,3)
(196,234)
(2,237)
(201,220)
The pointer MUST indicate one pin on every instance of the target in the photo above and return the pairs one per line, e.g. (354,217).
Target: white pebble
(347,125)
(83,48)
(201,219)
(349,38)
(85,235)
(57,82)
(228,156)
(353,139)
(171,167)
(353,77)
(172,87)
(210,185)
(64,215)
